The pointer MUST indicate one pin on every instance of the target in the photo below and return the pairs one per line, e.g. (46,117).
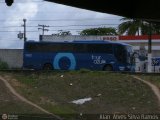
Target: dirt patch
(9,103)
(154,88)
(12,90)
(14,82)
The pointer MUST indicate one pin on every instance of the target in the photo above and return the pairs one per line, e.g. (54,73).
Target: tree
(63,33)
(99,31)
(131,26)
(137,27)
(155,28)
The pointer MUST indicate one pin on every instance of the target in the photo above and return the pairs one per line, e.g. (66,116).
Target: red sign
(112,38)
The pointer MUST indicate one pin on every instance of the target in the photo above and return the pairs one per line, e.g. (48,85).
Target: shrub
(3,65)
(83,70)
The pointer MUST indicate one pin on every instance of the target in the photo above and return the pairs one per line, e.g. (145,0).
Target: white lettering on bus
(98,60)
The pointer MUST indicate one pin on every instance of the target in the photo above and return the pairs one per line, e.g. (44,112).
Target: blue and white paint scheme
(67,58)
(93,55)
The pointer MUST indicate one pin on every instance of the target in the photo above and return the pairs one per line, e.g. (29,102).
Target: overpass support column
(150,49)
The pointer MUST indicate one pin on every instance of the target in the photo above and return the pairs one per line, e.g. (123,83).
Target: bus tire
(47,66)
(108,68)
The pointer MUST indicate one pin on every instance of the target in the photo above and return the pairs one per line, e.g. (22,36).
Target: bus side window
(99,48)
(120,53)
(79,48)
(31,47)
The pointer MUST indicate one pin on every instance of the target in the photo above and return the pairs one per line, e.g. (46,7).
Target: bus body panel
(86,61)
(73,60)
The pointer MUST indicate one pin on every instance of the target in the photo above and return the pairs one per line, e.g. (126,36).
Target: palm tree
(156,28)
(137,27)
(132,27)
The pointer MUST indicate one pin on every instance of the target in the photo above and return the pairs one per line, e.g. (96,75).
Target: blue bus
(75,55)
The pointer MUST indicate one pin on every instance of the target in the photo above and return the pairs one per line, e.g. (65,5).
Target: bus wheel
(108,68)
(47,67)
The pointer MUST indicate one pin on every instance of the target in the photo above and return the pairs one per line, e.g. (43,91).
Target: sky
(56,16)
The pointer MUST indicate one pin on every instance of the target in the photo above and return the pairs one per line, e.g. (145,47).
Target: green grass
(3,65)
(120,92)
(10,104)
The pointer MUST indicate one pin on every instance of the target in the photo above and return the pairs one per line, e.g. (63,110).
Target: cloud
(31,10)
(13,16)
(20,11)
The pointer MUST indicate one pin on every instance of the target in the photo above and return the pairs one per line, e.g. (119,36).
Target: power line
(83,25)
(49,30)
(25,0)
(71,19)
(9,40)
(37,1)
(61,19)
(16,31)
(61,26)
(66,29)
(2,31)
(46,12)
(9,26)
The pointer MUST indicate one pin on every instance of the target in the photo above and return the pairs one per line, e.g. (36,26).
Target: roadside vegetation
(137,27)
(3,65)
(10,104)
(110,92)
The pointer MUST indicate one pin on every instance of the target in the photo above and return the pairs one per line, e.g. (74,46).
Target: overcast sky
(46,13)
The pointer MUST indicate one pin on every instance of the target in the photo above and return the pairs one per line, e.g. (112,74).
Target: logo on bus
(98,60)
(68,56)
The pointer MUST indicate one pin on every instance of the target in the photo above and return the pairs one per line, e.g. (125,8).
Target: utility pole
(43,28)
(24,25)
(150,48)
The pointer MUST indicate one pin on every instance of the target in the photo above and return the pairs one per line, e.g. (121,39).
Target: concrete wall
(54,38)
(14,57)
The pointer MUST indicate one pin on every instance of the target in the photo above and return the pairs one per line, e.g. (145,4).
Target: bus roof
(81,41)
